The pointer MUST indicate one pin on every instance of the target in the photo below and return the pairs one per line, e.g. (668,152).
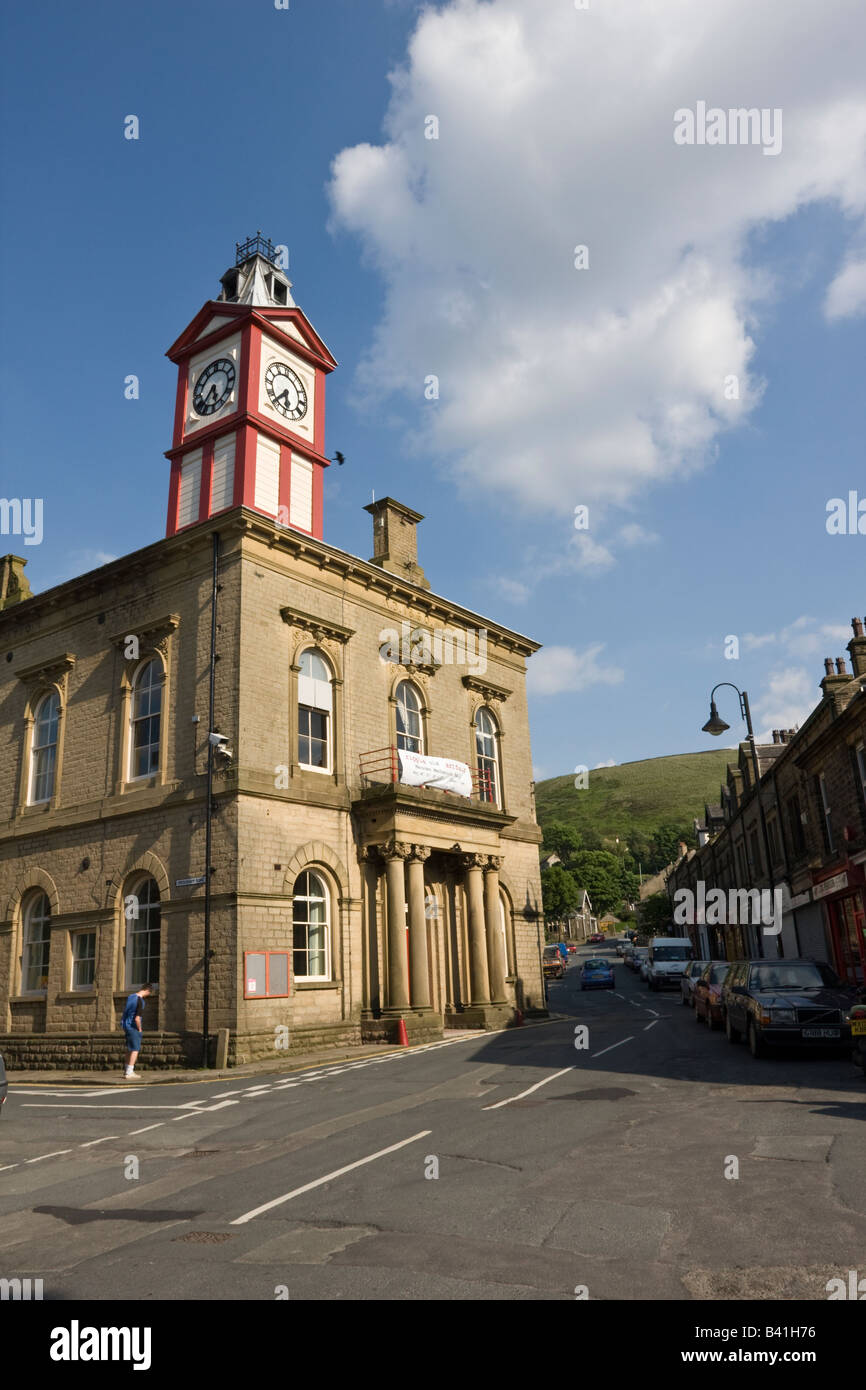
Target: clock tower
(249,423)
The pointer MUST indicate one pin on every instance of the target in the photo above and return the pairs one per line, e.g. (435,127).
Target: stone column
(419,973)
(394,853)
(479,987)
(495,943)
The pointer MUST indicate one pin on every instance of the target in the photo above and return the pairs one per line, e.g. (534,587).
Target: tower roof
(256,276)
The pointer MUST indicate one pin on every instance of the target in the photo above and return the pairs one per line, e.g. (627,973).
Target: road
(599,1169)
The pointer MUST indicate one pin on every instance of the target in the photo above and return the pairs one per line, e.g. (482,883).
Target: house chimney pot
(841,668)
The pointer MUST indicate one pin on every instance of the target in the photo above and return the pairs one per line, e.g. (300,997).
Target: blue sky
(454,257)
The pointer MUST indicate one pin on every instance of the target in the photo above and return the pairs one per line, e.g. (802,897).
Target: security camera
(217,739)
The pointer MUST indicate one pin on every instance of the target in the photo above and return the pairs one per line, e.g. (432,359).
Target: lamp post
(716,725)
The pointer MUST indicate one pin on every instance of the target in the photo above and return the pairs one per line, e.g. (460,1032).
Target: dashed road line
(499,1104)
(55,1154)
(612,1046)
(90,1143)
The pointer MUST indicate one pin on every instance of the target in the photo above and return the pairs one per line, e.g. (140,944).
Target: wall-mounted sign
(190,882)
(447,774)
(830,885)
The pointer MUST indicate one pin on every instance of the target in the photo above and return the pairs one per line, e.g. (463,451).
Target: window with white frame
(311,926)
(43,751)
(315,712)
(487,756)
(83,959)
(145,720)
(410,729)
(36,944)
(143,933)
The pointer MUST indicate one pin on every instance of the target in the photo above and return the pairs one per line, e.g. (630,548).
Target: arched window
(141,908)
(145,720)
(315,712)
(43,752)
(311,944)
(487,756)
(36,944)
(410,730)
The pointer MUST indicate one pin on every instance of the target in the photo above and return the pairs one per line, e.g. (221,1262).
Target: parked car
(786,1003)
(668,957)
(689,980)
(551,963)
(708,992)
(572,948)
(643,966)
(638,957)
(596,974)
(597,939)
(619,946)
(4,1086)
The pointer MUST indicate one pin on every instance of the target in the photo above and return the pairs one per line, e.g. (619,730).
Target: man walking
(131,1024)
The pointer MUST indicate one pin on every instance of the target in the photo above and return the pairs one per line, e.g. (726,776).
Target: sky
(648,348)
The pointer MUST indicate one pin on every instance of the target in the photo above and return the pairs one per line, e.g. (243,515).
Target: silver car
(691,975)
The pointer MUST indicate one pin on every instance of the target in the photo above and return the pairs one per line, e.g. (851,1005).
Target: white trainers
(132,1076)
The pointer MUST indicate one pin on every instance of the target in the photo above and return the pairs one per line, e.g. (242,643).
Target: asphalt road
(600,1168)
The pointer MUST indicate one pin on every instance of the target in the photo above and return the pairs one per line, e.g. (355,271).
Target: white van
(668,957)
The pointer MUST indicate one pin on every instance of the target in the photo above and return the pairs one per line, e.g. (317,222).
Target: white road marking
(612,1046)
(90,1143)
(56,1154)
(537,1085)
(158,1125)
(6,1168)
(651,1011)
(221,1094)
(650,1025)
(32,1106)
(338,1173)
(206,1110)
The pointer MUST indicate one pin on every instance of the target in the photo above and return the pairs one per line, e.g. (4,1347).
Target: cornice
(317,626)
(53,669)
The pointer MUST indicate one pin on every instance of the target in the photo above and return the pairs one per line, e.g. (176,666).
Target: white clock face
(286,391)
(214,386)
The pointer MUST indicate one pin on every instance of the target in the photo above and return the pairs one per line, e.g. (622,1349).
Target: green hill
(633,800)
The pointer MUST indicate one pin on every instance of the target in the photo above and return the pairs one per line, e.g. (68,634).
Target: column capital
(494,863)
(473,861)
(419,853)
(395,849)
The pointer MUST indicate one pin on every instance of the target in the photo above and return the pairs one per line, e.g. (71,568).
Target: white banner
(416,770)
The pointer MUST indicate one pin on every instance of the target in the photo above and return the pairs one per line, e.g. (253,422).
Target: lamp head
(714,724)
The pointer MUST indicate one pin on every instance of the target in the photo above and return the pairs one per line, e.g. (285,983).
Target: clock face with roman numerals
(214,386)
(286,391)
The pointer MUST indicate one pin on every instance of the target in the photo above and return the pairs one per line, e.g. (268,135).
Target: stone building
(369,852)
(811,802)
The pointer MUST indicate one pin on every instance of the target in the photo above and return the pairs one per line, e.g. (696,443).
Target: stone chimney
(395,542)
(857,648)
(14,585)
(834,679)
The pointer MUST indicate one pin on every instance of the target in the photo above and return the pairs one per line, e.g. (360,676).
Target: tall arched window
(315,712)
(145,721)
(141,907)
(311,941)
(487,756)
(36,940)
(43,752)
(410,729)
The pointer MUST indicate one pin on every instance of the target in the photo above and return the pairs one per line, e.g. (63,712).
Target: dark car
(707,992)
(596,974)
(786,1003)
(4,1087)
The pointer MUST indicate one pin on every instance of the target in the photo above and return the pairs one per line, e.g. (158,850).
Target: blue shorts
(133,1039)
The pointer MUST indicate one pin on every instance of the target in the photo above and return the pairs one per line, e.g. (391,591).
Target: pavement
(618,1151)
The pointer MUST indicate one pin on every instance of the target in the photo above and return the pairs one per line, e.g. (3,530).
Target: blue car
(596,974)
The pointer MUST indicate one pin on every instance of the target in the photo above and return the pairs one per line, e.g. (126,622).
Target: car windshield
(672,952)
(641,951)
(717,973)
(596,965)
(796,974)
(551,953)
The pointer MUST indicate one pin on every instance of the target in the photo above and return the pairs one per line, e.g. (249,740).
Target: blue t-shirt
(134,1007)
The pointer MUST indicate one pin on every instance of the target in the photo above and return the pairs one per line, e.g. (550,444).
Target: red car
(707,992)
(597,939)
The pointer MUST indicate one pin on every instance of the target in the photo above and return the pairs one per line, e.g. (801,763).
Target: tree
(560,839)
(656,915)
(559,893)
(600,873)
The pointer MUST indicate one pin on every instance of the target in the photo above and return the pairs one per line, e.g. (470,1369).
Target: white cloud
(611,762)
(512,589)
(804,637)
(554,670)
(846,296)
(633,534)
(556,125)
(788,698)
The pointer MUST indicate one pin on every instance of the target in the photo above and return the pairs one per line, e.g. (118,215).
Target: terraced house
(799,833)
(369,850)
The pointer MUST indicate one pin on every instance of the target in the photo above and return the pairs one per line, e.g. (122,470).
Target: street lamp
(716,725)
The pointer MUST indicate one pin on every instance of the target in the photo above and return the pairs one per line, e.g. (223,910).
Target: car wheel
(731,1033)
(757,1046)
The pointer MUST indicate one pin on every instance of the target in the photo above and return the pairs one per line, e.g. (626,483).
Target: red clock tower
(249,424)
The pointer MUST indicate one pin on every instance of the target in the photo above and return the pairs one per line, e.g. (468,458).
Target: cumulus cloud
(804,637)
(555,670)
(846,296)
(788,698)
(555,130)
